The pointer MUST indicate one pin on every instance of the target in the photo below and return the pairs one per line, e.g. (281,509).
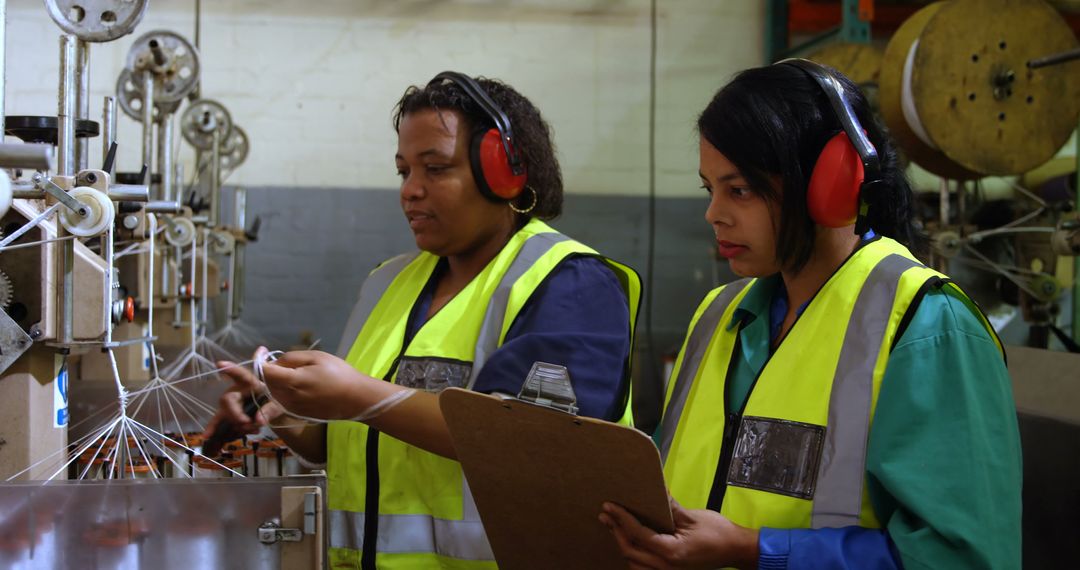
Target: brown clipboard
(539,477)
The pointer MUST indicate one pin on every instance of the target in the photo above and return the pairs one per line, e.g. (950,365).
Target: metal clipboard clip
(548,385)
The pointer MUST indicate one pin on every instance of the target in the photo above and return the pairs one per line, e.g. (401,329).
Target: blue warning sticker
(60,397)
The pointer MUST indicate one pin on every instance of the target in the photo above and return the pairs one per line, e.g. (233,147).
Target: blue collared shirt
(578,317)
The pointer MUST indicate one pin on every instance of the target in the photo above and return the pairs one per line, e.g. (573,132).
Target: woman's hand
(318,385)
(231,403)
(702,539)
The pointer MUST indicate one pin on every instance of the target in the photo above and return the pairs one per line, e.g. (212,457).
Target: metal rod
(240,207)
(129,192)
(82,100)
(943,203)
(66,167)
(159,54)
(148,123)
(215,178)
(1054,59)
(238,284)
(165,156)
(961,206)
(3,65)
(196,94)
(25,155)
(108,128)
(1076,260)
(162,207)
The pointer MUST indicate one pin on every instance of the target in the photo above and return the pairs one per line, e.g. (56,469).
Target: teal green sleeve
(943,464)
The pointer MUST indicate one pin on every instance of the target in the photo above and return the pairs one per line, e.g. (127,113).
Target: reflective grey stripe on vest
(692,357)
(418,534)
(370,293)
(838,497)
(491,329)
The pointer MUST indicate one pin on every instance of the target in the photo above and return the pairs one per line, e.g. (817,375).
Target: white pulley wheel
(180,233)
(99,216)
(5,194)
(222,243)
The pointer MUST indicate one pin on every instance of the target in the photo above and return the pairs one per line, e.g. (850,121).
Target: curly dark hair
(532,135)
(774,120)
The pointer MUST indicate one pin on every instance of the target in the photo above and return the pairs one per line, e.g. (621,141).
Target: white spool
(5,194)
(99,217)
(181,232)
(907,99)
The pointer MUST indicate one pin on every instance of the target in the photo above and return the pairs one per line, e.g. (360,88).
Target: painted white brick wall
(313,83)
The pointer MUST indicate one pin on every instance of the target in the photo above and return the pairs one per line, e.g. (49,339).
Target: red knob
(129,310)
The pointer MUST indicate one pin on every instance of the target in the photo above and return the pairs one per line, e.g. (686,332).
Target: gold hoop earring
(535,198)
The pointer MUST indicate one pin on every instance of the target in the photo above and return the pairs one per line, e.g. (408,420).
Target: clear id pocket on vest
(777,456)
(433,374)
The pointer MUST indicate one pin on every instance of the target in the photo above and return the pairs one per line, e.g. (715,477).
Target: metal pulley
(172,60)
(234,149)
(958,94)
(97,20)
(199,121)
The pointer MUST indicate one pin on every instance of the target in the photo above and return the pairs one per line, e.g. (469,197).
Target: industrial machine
(107,370)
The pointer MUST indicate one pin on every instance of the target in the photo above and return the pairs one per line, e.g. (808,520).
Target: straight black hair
(774,121)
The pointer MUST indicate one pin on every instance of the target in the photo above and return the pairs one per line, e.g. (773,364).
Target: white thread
(35,243)
(376,410)
(31,224)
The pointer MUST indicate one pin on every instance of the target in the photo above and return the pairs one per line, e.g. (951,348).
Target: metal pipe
(3,65)
(26,156)
(66,149)
(162,207)
(108,129)
(82,100)
(148,122)
(165,156)
(129,192)
(215,178)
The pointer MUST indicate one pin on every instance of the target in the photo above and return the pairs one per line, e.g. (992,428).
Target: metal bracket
(271,532)
(13,341)
(50,187)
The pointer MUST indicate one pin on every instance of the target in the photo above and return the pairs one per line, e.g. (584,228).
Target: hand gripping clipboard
(539,477)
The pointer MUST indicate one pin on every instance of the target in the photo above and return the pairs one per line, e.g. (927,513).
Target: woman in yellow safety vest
(842,406)
(492,290)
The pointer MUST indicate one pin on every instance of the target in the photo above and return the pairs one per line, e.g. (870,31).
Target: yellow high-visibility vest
(426,516)
(798,453)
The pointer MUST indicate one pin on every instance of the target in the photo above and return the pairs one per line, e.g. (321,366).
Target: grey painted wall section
(316,246)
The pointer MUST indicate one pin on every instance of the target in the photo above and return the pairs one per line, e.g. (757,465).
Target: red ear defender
(495,174)
(833,194)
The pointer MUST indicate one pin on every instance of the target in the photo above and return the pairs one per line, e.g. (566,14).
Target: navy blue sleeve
(579,318)
(835,548)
